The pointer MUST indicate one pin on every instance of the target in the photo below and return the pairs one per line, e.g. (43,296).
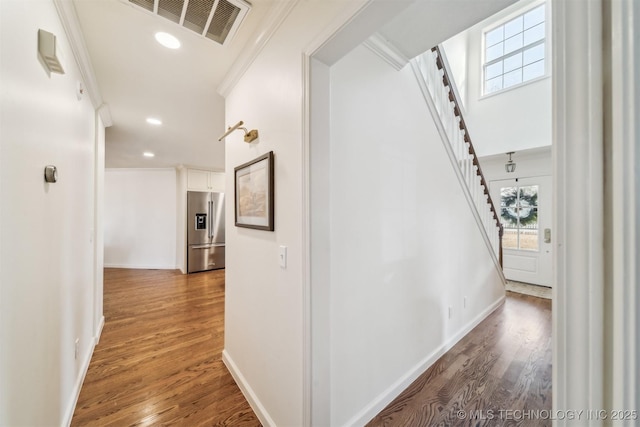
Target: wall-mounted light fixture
(47,50)
(249,135)
(50,173)
(510,166)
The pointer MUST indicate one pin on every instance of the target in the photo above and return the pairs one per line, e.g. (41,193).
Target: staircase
(431,70)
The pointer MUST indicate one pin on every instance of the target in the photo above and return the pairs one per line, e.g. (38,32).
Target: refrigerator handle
(210,219)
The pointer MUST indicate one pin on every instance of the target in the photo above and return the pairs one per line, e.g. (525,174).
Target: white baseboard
(141,267)
(68,415)
(99,331)
(386,397)
(80,380)
(247,391)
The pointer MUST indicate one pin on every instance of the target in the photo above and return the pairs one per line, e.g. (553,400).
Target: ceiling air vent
(217,20)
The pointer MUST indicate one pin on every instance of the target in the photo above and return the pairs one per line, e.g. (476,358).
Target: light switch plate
(282,255)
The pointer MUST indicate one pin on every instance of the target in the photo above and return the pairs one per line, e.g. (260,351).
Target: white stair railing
(440,93)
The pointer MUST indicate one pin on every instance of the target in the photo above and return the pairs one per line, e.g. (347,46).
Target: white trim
(71,23)
(387,51)
(247,391)
(143,266)
(452,157)
(254,46)
(578,291)
(122,170)
(312,49)
(623,217)
(77,387)
(387,396)
(98,330)
(305,244)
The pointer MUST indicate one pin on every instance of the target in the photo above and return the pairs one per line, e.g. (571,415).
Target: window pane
(510,238)
(513,78)
(508,217)
(534,17)
(528,196)
(508,206)
(528,238)
(534,34)
(493,85)
(513,62)
(494,52)
(532,71)
(533,54)
(493,70)
(512,28)
(494,36)
(513,43)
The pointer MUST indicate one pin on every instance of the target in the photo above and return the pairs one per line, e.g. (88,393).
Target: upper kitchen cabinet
(201,180)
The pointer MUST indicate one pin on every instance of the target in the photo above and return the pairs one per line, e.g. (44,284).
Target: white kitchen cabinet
(201,180)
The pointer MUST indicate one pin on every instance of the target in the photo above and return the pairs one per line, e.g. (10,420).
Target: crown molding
(387,51)
(71,24)
(254,46)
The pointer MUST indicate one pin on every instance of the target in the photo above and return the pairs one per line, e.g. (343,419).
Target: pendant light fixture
(510,166)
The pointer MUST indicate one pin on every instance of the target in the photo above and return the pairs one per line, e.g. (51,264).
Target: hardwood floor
(498,375)
(158,361)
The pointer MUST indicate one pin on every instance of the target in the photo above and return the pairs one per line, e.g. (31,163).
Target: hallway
(158,361)
(497,375)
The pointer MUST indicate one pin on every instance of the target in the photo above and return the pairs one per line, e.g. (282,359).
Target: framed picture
(254,193)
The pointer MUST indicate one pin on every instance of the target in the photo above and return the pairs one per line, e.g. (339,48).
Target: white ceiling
(139,78)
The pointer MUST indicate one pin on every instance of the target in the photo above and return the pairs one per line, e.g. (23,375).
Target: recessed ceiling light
(154,121)
(148,154)
(167,40)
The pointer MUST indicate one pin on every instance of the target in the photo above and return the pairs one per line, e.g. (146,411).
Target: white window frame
(547,47)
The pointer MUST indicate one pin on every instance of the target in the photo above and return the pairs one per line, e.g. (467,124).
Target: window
(519,214)
(514,52)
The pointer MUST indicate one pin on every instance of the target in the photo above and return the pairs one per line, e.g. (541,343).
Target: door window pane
(519,215)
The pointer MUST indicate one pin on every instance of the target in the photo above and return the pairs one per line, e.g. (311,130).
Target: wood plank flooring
(158,361)
(497,375)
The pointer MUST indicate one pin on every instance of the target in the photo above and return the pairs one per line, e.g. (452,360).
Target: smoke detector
(217,20)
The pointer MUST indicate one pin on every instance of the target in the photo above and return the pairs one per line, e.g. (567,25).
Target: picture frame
(253,185)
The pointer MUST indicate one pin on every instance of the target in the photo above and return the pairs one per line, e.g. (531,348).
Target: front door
(525,212)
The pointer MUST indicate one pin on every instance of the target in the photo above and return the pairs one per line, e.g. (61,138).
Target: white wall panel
(404,244)
(140,218)
(47,230)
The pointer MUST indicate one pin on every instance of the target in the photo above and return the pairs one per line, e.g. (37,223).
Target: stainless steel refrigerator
(205,231)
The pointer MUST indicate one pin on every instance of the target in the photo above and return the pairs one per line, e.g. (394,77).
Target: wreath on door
(525,208)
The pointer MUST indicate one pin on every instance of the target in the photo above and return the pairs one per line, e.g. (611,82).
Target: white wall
(47,230)
(403,242)
(513,120)
(529,163)
(140,218)
(264,332)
